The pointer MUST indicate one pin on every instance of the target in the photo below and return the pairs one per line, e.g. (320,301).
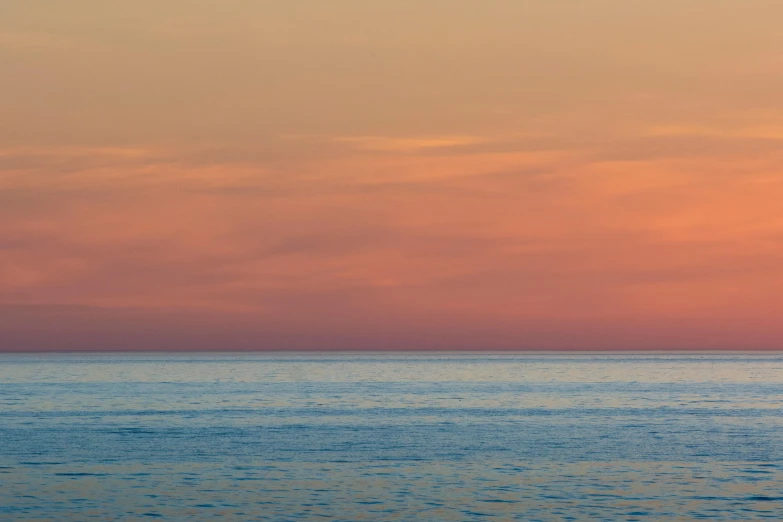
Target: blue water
(391,437)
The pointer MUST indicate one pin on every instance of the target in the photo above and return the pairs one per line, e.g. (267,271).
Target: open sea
(391,436)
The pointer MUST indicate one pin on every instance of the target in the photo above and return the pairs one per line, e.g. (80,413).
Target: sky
(391,174)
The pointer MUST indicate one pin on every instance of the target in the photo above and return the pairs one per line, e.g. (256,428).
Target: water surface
(391,436)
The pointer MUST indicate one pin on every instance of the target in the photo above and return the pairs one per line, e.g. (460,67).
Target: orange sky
(391,174)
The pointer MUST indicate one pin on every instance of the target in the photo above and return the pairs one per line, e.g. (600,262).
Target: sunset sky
(391,174)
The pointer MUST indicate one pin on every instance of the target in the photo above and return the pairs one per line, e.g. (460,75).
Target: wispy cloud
(734,130)
(401,144)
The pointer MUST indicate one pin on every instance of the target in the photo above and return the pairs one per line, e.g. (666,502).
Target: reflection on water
(391,437)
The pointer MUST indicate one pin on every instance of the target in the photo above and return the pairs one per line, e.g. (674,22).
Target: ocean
(391,436)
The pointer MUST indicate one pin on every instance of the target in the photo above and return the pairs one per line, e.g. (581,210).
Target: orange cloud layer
(500,243)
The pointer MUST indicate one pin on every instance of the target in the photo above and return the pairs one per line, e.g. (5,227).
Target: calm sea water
(391,437)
